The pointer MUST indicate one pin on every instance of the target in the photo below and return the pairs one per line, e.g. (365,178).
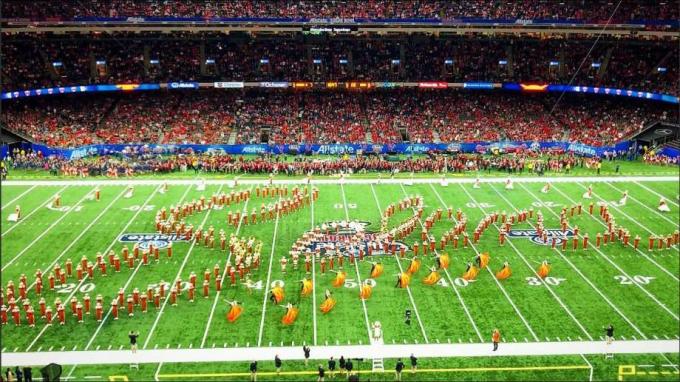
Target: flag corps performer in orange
(340,277)
(276,295)
(414,266)
(306,287)
(376,270)
(403,279)
(433,277)
(442,261)
(505,272)
(470,273)
(291,314)
(365,291)
(328,303)
(543,269)
(235,311)
(482,260)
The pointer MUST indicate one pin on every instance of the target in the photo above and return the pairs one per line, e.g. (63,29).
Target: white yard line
(615,265)
(669,200)
(42,205)
(86,276)
(158,371)
(244,212)
(132,276)
(455,289)
(334,181)
(500,286)
(311,207)
(581,273)
(552,292)
(590,377)
(269,275)
(356,267)
(408,289)
(642,253)
(109,357)
(179,273)
(11,202)
(43,233)
(82,233)
(654,210)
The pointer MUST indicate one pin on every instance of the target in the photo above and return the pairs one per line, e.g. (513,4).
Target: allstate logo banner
(532,235)
(340,233)
(145,239)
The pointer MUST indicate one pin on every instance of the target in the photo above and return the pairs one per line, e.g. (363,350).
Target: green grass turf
(523,312)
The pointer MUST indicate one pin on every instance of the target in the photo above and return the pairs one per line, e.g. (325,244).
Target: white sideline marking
(356,268)
(11,202)
(224,275)
(74,241)
(468,180)
(651,296)
(41,206)
(590,377)
(179,273)
(669,200)
(581,273)
(408,289)
(269,275)
(500,286)
(324,352)
(552,292)
(43,233)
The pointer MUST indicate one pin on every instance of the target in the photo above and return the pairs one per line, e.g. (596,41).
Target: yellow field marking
(118,378)
(632,370)
(626,370)
(310,372)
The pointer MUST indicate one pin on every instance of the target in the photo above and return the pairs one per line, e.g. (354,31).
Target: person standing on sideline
(278,364)
(349,366)
(253,371)
(609,331)
(342,364)
(133,341)
(322,372)
(414,363)
(306,350)
(331,367)
(495,338)
(398,369)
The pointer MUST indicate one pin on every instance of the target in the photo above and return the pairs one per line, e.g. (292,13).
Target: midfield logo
(532,235)
(158,240)
(349,235)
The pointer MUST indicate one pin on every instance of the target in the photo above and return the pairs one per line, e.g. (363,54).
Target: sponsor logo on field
(532,235)
(158,240)
(341,234)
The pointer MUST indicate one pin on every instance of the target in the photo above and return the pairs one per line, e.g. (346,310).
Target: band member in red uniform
(206,288)
(79,312)
(218,283)
(102,268)
(30,316)
(43,306)
(98,312)
(69,267)
(61,314)
(143,303)
(74,303)
(173,296)
(169,250)
(651,242)
(48,315)
(86,303)
(191,292)
(157,300)
(3,315)
(16,316)
(114,308)
(598,239)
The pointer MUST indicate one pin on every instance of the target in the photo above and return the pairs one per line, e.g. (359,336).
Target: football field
(586,288)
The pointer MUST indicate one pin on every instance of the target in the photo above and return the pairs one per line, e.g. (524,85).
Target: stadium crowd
(289,117)
(64,60)
(591,11)
(150,162)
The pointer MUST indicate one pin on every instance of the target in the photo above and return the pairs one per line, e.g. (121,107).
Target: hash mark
(39,348)
(50,349)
